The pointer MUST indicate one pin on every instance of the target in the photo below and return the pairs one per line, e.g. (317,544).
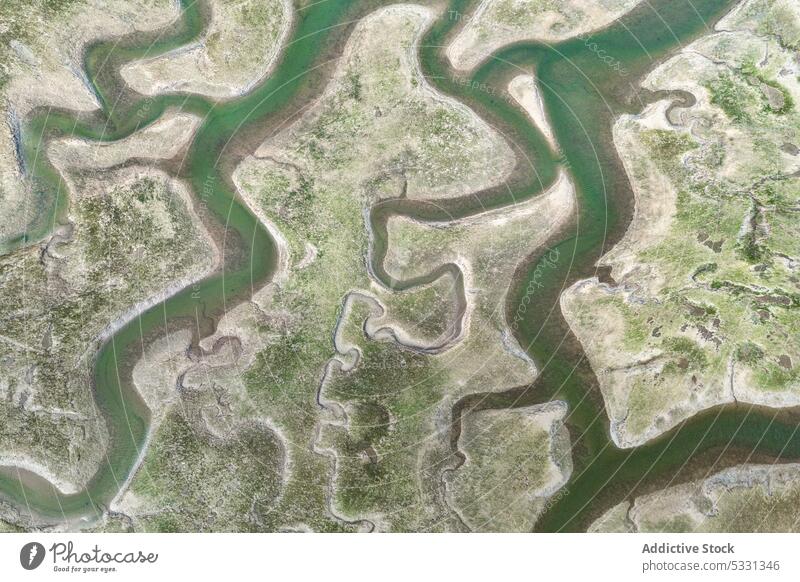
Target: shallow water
(582,94)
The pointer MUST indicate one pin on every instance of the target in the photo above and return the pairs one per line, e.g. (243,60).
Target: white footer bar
(405,557)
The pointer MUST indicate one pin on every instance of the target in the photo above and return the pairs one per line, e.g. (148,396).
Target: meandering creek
(582,94)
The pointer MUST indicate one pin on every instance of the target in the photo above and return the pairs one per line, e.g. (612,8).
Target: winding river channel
(582,95)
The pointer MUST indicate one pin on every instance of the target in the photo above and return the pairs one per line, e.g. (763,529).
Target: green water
(582,94)
(248,255)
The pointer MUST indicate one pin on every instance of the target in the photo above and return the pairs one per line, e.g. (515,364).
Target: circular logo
(31,555)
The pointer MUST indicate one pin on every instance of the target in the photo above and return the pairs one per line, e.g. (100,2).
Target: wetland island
(369,265)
